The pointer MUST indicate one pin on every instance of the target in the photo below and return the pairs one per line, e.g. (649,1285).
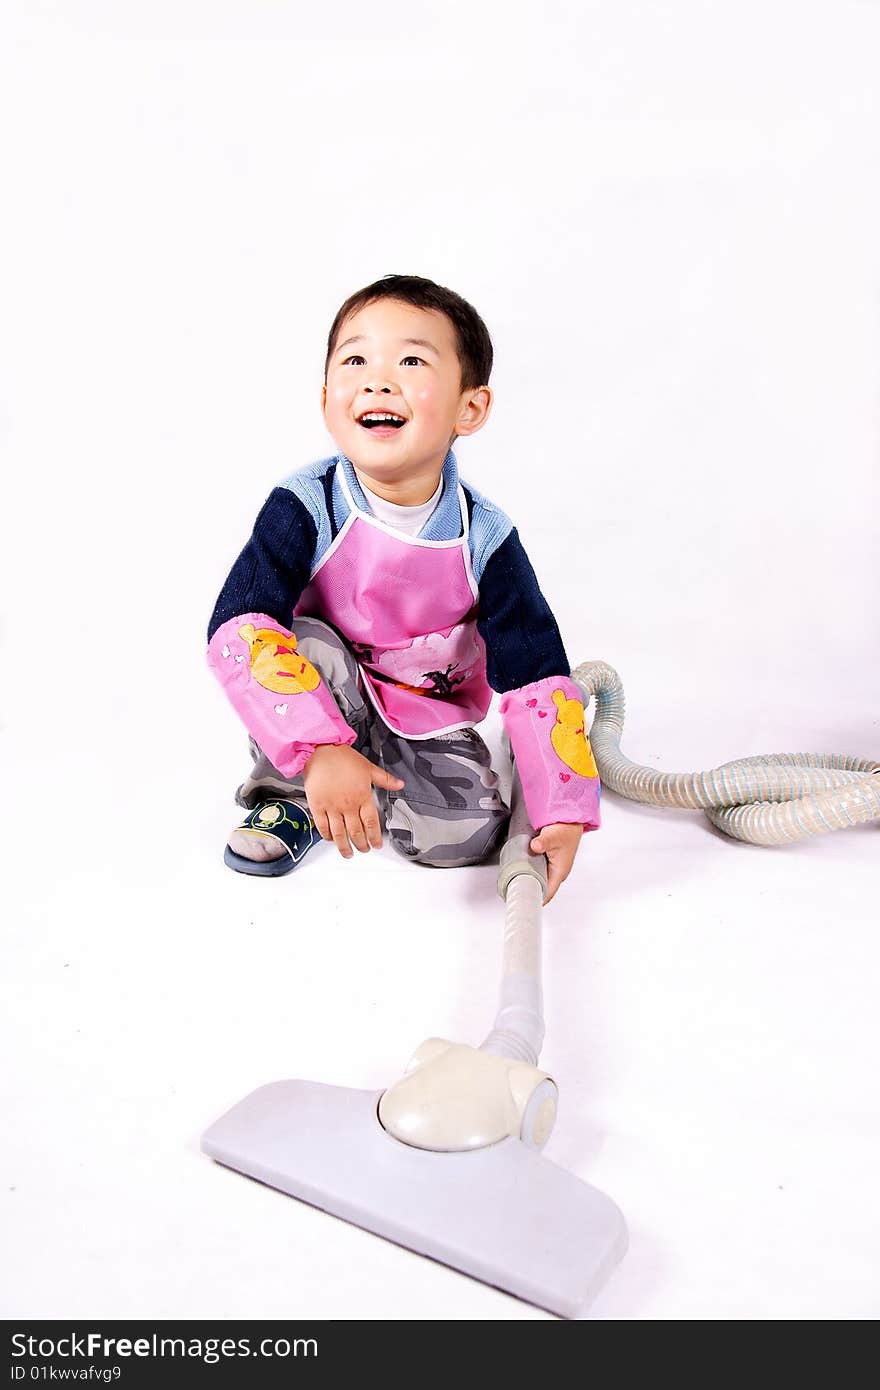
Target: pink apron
(408,609)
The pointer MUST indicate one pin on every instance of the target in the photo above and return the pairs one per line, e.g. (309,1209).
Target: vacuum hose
(767,800)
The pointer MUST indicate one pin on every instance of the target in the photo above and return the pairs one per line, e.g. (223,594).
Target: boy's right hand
(339,789)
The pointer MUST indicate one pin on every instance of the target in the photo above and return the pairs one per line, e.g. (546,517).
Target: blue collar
(444,524)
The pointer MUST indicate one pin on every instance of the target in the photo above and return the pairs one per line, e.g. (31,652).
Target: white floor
(712,1023)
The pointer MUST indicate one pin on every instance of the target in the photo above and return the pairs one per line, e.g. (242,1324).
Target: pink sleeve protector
(278,694)
(548,738)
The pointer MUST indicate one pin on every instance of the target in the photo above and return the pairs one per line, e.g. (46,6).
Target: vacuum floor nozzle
(504,1214)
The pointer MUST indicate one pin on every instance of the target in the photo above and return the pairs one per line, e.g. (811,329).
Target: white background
(669,217)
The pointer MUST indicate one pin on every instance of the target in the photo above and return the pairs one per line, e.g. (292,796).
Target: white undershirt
(408,519)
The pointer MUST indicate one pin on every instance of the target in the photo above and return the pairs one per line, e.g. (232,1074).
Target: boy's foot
(257,847)
(272,839)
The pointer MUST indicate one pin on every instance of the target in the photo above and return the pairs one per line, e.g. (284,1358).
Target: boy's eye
(354,358)
(413,359)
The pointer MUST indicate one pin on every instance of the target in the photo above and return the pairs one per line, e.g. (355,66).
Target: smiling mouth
(381,422)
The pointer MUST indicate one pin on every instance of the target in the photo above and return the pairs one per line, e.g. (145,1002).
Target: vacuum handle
(522,882)
(516,856)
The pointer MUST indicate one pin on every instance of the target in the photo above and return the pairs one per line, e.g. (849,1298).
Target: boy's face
(391,357)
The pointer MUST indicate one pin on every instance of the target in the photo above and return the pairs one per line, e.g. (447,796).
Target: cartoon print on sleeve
(569,737)
(276,664)
(560,779)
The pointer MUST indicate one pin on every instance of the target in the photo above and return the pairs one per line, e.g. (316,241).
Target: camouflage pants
(449,812)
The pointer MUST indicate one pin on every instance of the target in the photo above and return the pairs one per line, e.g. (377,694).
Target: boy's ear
(323,397)
(474,412)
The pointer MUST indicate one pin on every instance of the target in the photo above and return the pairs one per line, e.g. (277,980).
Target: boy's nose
(379,386)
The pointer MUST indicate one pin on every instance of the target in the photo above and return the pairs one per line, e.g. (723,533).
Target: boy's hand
(339,789)
(560,844)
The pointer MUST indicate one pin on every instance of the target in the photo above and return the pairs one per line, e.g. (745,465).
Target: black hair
(474,346)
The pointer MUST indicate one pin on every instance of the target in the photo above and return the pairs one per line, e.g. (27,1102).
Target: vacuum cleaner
(447,1161)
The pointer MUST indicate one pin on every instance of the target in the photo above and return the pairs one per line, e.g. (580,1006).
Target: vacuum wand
(454,1097)
(522,882)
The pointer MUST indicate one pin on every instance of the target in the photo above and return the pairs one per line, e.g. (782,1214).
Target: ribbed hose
(767,800)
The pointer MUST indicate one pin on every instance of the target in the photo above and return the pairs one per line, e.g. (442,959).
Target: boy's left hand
(560,844)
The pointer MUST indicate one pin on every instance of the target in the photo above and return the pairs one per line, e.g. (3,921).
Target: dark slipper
(280,820)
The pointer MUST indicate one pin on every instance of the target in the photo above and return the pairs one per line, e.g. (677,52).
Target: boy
(379,602)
